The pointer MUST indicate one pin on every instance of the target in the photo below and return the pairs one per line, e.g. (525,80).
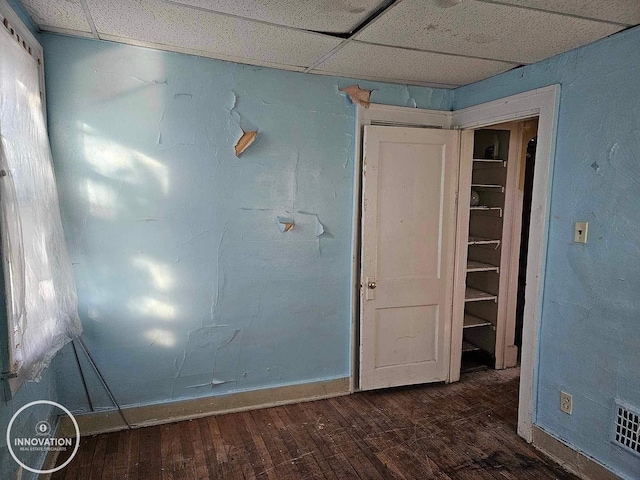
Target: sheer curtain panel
(42,312)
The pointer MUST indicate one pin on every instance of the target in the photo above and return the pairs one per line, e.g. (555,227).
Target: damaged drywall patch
(285,224)
(245,141)
(358,95)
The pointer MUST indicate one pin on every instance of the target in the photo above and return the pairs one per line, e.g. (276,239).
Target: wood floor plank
(209,449)
(111,456)
(165,452)
(291,416)
(134,456)
(149,461)
(268,466)
(86,452)
(200,459)
(283,467)
(122,457)
(238,457)
(313,430)
(247,441)
(364,461)
(297,457)
(462,431)
(334,437)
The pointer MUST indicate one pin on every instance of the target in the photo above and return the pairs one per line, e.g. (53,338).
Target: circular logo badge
(29,434)
(43,428)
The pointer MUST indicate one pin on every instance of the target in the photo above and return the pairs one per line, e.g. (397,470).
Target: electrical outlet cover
(566,402)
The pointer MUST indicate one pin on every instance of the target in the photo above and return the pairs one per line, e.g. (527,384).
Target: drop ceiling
(442,43)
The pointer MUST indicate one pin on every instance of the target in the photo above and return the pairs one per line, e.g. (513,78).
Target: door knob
(372,285)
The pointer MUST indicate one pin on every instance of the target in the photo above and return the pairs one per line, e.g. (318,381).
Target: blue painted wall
(186,286)
(590,328)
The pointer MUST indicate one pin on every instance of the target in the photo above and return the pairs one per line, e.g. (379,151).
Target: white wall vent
(627,428)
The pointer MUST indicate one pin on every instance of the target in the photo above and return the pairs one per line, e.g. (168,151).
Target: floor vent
(627,428)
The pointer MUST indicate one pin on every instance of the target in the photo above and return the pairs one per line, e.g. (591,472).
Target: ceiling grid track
(240,17)
(553,12)
(92,25)
(438,52)
(369,21)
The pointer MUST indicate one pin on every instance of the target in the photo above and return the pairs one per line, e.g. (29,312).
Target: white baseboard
(111,421)
(576,462)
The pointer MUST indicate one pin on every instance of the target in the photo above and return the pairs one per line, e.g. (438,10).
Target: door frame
(542,103)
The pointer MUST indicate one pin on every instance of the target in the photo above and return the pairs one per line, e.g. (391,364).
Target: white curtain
(41,297)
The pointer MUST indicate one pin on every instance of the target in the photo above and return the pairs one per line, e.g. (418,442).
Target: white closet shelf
(490,161)
(469,347)
(474,240)
(475,295)
(473,266)
(488,186)
(484,208)
(471,321)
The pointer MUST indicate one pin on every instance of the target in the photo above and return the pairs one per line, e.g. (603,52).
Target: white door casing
(408,234)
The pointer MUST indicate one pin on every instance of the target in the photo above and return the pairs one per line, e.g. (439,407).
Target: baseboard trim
(148,415)
(576,462)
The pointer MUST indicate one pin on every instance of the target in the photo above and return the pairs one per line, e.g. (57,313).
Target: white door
(408,235)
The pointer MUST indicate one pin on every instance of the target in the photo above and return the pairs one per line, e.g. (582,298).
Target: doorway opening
(541,104)
(494,218)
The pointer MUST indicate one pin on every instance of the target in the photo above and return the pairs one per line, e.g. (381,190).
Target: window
(40,292)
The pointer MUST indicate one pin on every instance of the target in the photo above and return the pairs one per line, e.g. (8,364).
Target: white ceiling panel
(67,14)
(337,16)
(220,36)
(619,11)
(377,62)
(483,30)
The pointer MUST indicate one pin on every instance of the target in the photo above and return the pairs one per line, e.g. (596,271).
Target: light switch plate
(580,234)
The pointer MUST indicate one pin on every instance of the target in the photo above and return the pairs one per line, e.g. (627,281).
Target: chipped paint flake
(245,141)
(358,95)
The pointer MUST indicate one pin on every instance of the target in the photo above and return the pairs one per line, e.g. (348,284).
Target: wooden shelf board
(474,240)
(469,347)
(481,267)
(471,321)
(475,295)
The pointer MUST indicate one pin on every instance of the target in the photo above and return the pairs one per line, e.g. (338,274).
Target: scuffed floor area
(460,431)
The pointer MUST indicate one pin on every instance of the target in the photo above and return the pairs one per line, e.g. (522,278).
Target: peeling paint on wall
(358,95)
(186,286)
(245,141)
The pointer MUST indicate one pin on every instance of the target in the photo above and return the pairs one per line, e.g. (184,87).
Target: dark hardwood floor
(460,431)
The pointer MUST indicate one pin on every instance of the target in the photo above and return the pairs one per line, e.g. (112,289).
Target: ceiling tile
(337,16)
(229,38)
(66,15)
(620,11)
(482,29)
(377,62)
